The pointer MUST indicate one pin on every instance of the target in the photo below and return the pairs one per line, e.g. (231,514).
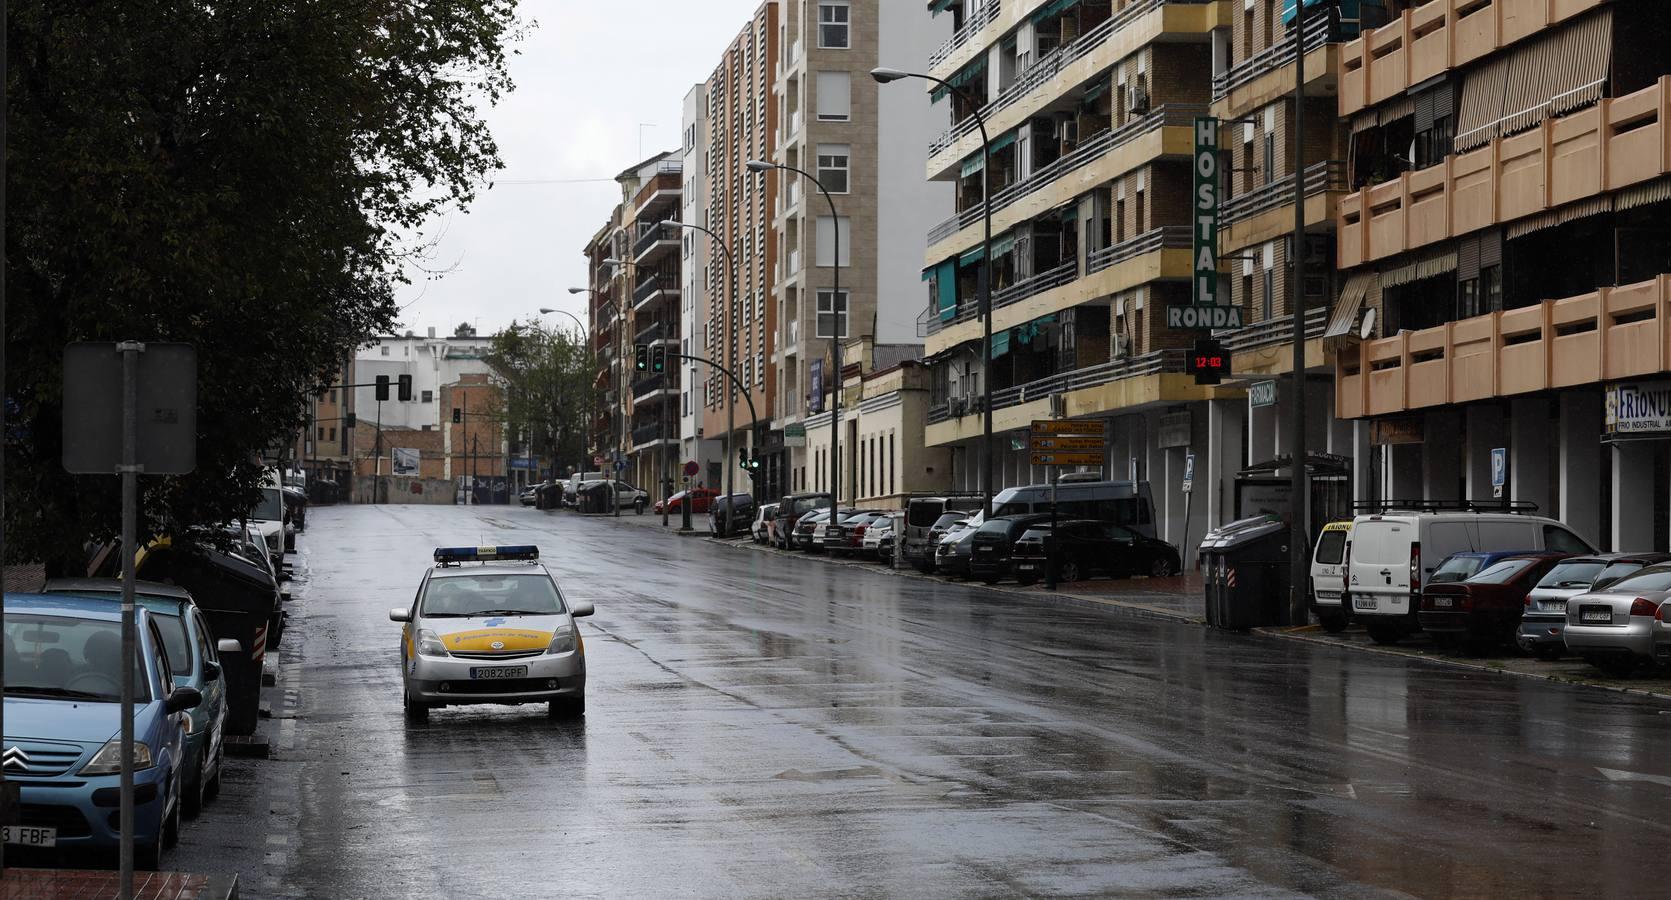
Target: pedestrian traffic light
(405,387)
(382,387)
(641,357)
(658,359)
(458,415)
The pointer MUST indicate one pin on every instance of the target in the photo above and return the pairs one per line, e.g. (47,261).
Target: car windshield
(67,658)
(1501,573)
(1578,574)
(271,507)
(1617,571)
(1657,578)
(1457,568)
(461,596)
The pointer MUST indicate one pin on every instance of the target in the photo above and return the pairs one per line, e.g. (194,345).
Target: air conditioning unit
(1122,346)
(1069,133)
(1058,405)
(1138,102)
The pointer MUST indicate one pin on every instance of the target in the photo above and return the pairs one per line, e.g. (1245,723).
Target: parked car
(1483,609)
(1392,555)
(789,512)
(989,555)
(626,496)
(267,519)
(1614,628)
(1662,637)
(1085,549)
(722,521)
(951,555)
(527,496)
(820,528)
(1125,503)
(846,535)
(1459,567)
(1545,615)
(194,662)
(1328,576)
(880,528)
(63,658)
(922,514)
(803,539)
(761,530)
(699,498)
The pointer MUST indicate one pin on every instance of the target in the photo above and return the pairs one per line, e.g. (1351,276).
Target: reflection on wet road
(769,727)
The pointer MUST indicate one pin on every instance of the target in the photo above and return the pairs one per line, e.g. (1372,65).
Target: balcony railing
(649,233)
(1166,237)
(1049,67)
(650,384)
(1318,32)
(1152,363)
(1092,149)
(645,435)
(1274,331)
(650,335)
(1327,175)
(979,20)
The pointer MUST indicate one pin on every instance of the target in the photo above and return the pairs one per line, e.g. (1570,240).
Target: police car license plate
(1602,614)
(29,836)
(479,672)
(1363,602)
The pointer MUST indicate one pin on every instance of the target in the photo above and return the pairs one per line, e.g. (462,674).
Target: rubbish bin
(595,499)
(1245,573)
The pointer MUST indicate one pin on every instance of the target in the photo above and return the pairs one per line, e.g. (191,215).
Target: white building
(431,361)
(694,442)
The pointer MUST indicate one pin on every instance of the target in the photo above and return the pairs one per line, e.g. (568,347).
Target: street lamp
(837,309)
(591,356)
(884,75)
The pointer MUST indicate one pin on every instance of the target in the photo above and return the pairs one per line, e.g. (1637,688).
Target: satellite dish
(1368,326)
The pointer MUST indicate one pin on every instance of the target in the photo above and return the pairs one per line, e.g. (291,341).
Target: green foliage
(235,175)
(548,390)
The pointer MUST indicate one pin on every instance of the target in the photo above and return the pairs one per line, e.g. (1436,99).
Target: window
(835,96)
(827,314)
(333,436)
(429,396)
(832,167)
(1269,305)
(1491,288)
(890,462)
(385,350)
(827,241)
(1269,164)
(833,18)
(1561,540)
(333,396)
(321,435)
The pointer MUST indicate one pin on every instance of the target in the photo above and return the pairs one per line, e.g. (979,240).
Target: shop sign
(794,435)
(1261,394)
(1174,430)
(1639,407)
(1401,430)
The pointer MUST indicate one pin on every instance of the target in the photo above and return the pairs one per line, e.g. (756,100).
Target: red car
(1484,610)
(700,500)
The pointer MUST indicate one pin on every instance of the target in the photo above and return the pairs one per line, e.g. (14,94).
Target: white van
(1328,575)
(1391,555)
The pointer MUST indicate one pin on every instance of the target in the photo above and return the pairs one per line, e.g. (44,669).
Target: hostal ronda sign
(1205,313)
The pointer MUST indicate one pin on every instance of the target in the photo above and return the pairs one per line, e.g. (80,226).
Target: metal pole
(6,805)
(1298,537)
(1050,537)
(130,513)
(377,459)
(666,467)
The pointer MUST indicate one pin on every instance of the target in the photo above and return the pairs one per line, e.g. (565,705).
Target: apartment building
(696,255)
(431,361)
(1089,106)
(652,195)
(1506,257)
(604,301)
(865,146)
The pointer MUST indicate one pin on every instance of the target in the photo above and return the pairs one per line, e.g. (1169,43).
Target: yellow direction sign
(1088,428)
(1067,459)
(1072,442)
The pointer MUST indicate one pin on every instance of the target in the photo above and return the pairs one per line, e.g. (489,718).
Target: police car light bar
(446,555)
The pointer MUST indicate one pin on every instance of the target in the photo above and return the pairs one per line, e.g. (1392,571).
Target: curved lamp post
(884,75)
(591,356)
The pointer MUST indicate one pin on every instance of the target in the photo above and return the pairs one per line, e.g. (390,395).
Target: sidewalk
(57,884)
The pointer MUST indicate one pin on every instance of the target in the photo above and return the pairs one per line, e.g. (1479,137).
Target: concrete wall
(404,491)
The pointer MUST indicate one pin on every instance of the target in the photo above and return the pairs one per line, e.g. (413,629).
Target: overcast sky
(586,78)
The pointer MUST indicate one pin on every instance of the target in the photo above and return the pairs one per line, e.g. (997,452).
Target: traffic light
(754,462)
(349,420)
(641,357)
(382,387)
(458,415)
(742,457)
(404,387)
(658,359)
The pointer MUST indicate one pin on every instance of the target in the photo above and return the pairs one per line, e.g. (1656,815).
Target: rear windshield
(1573,574)
(1501,573)
(1457,568)
(492,595)
(923,513)
(947,520)
(1330,546)
(806,504)
(1617,571)
(1654,579)
(997,526)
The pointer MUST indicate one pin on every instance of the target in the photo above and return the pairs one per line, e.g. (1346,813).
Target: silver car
(1546,606)
(1614,628)
(498,632)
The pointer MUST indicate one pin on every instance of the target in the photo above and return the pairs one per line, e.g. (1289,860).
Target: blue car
(194,658)
(1468,563)
(62,745)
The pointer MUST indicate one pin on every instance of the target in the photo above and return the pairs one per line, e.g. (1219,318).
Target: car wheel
(416,712)
(1333,624)
(211,788)
(171,826)
(192,797)
(1068,571)
(1161,567)
(1384,634)
(566,708)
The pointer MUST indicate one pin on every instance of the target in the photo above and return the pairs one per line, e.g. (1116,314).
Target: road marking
(1622,775)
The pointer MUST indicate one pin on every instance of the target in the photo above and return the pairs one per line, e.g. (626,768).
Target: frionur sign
(1634,407)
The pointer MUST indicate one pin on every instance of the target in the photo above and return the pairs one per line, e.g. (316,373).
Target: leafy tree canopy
(548,390)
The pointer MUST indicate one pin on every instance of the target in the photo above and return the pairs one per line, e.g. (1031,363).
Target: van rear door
(1378,569)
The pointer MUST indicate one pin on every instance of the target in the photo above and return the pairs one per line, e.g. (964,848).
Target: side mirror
(228,645)
(211,671)
(581,608)
(182,699)
(400,614)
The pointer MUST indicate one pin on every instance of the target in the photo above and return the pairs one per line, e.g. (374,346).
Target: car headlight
(562,640)
(108,761)
(429,644)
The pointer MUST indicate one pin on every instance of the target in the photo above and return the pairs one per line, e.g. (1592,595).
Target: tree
(548,389)
(249,177)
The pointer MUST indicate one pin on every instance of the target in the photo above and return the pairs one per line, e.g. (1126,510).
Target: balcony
(653,242)
(1154,363)
(1319,33)
(657,332)
(1436,37)
(1046,71)
(1091,150)
(1609,334)
(655,286)
(982,18)
(665,188)
(1574,159)
(645,436)
(1273,332)
(1320,177)
(651,387)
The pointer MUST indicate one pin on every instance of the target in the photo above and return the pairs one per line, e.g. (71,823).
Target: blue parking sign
(1499,467)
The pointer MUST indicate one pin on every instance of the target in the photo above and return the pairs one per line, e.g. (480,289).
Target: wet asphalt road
(762,726)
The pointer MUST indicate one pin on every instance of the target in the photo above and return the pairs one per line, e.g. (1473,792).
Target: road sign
(1072,442)
(794,435)
(620,464)
(1189,472)
(1067,459)
(597,459)
(1499,470)
(1203,318)
(1089,427)
(1261,393)
(691,468)
(166,394)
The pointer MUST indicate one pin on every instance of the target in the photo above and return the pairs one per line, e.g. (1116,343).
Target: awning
(1564,70)
(1572,212)
(1481,104)
(1054,8)
(945,290)
(962,76)
(1578,65)
(1068,213)
(940,6)
(1656,191)
(973,164)
(1432,265)
(1000,343)
(1346,309)
(1003,140)
(1027,331)
(1097,88)
(1003,244)
(1402,106)
(973,256)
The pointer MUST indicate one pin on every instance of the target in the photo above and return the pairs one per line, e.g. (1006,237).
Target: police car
(490,625)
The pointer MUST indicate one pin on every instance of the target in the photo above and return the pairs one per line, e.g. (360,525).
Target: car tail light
(1642,606)
(1659,614)
(1415,570)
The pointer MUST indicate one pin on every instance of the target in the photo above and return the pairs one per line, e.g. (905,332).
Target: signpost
(1499,470)
(690,469)
(1073,442)
(129,408)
